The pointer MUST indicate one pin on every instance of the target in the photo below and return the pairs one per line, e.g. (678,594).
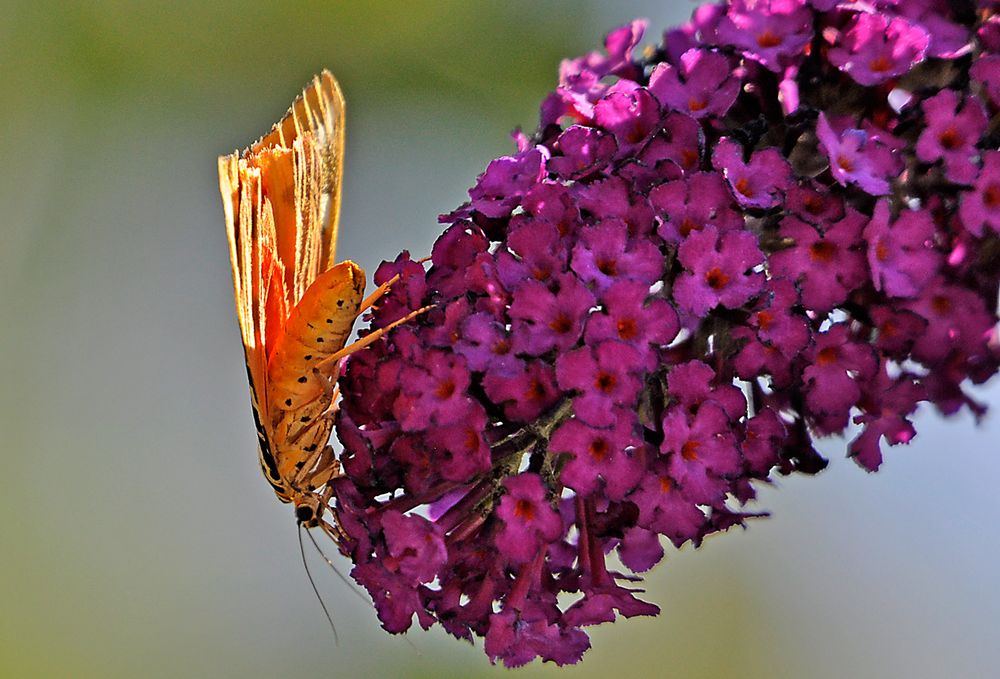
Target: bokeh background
(138,536)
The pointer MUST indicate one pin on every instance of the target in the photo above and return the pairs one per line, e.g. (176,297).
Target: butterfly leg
(371,337)
(369,301)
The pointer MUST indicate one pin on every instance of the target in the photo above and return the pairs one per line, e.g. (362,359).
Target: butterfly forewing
(282,200)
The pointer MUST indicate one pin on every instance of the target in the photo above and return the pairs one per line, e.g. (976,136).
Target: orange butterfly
(296,307)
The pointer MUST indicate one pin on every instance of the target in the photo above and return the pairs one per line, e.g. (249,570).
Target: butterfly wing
(282,201)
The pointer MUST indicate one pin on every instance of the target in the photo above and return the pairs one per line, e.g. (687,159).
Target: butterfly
(296,306)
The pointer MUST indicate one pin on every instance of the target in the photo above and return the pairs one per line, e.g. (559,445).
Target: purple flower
(433,393)
(855,158)
(981,206)
(605,254)
(957,321)
(505,181)
(836,366)
(901,255)
(599,455)
(704,85)
(525,390)
(630,316)
(542,320)
(583,150)
(951,135)
(691,204)
(529,523)
(606,376)
(774,336)
(759,183)
(826,265)
(986,70)
(886,402)
(538,253)
(772,32)
(664,508)
(701,451)
(485,344)
(875,47)
(518,636)
(631,115)
(718,270)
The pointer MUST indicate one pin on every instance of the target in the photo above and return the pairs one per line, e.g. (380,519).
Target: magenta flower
(701,452)
(605,254)
(529,523)
(951,135)
(630,316)
(600,457)
(875,47)
(605,376)
(679,143)
(719,270)
(505,182)
(837,365)
(703,85)
(772,32)
(855,158)
(885,406)
(981,206)
(543,320)
(691,204)
(630,114)
(584,150)
(759,183)
(901,255)
(826,264)
(986,70)
(774,336)
(664,508)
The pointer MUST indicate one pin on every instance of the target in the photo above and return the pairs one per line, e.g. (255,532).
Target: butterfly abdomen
(316,328)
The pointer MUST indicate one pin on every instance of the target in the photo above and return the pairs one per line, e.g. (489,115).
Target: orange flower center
(687,226)
(445,389)
(822,251)
(716,279)
(950,139)
(743,186)
(941,304)
(627,329)
(599,449)
(880,64)
(605,382)
(991,196)
(827,356)
(524,509)
(562,324)
(689,451)
(608,267)
(768,39)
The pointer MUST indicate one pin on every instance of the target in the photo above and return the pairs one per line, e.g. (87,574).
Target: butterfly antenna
(333,567)
(347,582)
(305,564)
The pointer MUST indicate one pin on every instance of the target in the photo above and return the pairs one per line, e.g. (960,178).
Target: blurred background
(138,536)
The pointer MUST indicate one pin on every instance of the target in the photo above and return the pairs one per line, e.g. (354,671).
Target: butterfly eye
(304,514)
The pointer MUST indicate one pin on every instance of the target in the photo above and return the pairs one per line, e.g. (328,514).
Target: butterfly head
(309,510)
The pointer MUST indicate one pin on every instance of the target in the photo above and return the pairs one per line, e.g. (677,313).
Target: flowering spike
(784,220)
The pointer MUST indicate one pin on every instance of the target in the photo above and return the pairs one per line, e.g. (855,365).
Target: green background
(138,535)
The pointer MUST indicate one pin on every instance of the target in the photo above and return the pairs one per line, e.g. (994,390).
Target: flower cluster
(783,220)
